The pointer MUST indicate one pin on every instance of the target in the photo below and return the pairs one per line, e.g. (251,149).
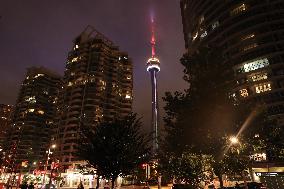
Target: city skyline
(142,94)
(50,41)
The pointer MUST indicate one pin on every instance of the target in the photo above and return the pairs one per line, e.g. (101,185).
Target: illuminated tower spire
(153,67)
(153,39)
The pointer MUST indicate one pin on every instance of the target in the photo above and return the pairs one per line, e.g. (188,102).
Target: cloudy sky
(40,33)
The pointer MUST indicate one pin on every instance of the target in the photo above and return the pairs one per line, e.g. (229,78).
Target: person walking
(31,186)
(80,186)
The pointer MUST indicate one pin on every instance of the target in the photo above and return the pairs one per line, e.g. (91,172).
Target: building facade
(5,123)
(250,33)
(34,117)
(97,86)
(251,36)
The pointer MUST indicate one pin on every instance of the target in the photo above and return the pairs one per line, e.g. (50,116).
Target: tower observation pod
(153,67)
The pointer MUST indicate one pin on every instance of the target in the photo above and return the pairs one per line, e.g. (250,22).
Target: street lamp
(234,140)
(53,146)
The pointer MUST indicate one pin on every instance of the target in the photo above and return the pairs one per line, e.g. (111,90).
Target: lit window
(215,25)
(31,110)
(204,34)
(250,46)
(128,77)
(103,82)
(195,36)
(127,96)
(40,112)
(254,65)
(263,88)
(76,46)
(154,60)
(201,19)
(31,99)
(258,157)
(38,75)
(70,84)
(248,37)
(258,77)
(244,93)
(238,9)
(74,59)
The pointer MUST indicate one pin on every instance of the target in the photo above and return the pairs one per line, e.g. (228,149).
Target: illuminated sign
(258,157)
(244,92)
(262,174)
(263,88)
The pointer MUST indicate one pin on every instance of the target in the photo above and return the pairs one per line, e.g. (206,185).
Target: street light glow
(53,146)
(234,140)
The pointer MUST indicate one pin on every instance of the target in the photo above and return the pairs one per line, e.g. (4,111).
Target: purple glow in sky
(40,33)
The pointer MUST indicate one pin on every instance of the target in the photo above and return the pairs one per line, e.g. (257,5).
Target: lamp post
(234,141)
(47,159)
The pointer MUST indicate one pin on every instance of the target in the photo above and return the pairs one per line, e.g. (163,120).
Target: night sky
(40,33)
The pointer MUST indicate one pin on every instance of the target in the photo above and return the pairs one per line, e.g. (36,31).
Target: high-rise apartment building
(97,86)
(250,32)
(34,116)
(251,36)
(5,121)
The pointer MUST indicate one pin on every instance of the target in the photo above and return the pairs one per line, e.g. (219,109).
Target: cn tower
(153,67)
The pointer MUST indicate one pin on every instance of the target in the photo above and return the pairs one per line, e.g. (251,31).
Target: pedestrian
(24,185)
(237,185)
(106,186)
(31,186)
(80,186)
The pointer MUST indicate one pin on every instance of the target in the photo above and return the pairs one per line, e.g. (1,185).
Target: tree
(204,109)
(267,137)
(204,114)
(188,167)
(115,148)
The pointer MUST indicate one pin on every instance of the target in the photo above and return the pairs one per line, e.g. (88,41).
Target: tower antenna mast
(153,67)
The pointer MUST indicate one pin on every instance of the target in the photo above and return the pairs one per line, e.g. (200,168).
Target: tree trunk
(50,179)
(221,181)
(113,181)
(245,180)
(98,182)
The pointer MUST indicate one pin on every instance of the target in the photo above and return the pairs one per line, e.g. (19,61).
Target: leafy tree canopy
(115,148)
(201,118)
